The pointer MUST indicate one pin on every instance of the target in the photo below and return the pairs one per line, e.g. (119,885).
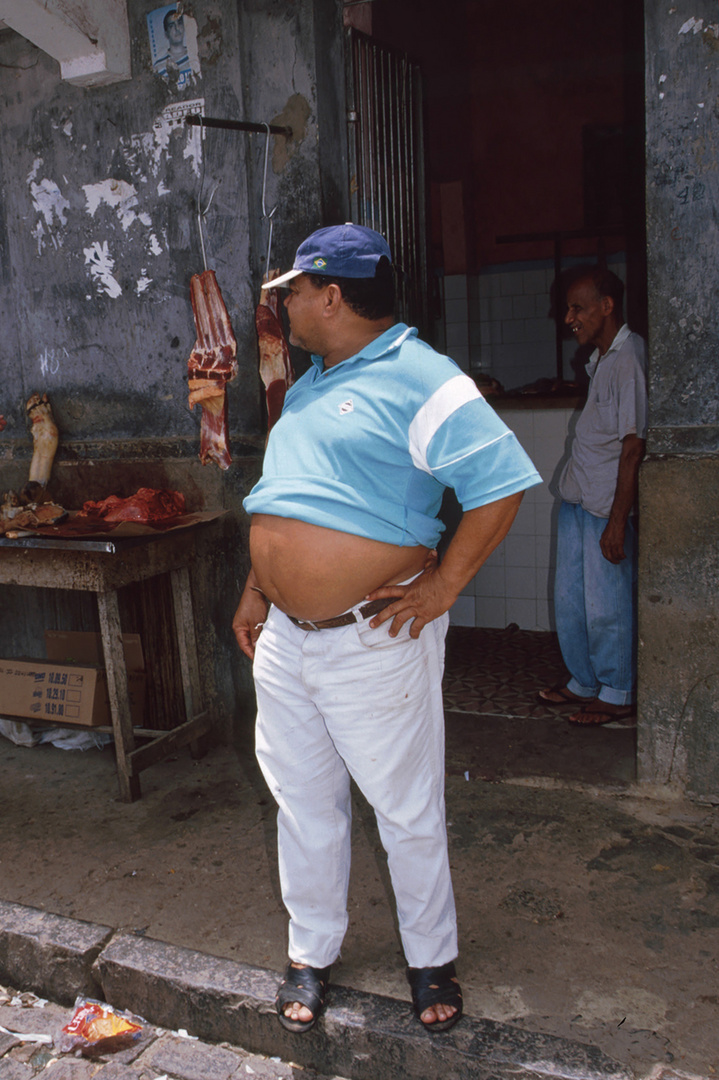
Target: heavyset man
(595,604)
(345,609)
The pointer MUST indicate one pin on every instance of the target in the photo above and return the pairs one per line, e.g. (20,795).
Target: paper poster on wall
(168,44)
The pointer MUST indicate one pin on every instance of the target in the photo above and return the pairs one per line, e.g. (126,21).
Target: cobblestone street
(30,1030)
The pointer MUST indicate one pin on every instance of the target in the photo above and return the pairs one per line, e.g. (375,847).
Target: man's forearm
(434,591)
(625,494)
(478,534)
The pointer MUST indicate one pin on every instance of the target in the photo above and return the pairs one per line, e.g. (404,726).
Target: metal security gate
(386,163)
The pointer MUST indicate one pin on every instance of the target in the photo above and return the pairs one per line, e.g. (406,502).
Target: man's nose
(569,317)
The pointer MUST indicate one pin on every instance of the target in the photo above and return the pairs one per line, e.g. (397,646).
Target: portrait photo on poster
(168,45)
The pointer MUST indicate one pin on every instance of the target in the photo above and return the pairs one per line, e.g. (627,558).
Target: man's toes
(296,1011)
(437,1013)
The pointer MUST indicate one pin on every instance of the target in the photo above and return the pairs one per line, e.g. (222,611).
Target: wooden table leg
(118,693)
(187,647)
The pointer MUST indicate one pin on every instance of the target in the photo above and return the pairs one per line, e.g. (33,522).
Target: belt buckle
(308,622)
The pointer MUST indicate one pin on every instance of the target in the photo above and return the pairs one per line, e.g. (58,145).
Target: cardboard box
(70,687)
(73,647)
(60,693)
(79,647)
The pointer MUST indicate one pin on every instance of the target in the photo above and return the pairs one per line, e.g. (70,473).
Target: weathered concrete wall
(679,571)
(98,241)
(679,626)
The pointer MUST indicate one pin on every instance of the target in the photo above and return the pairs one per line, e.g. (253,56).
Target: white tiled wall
(515,584)
(500,322)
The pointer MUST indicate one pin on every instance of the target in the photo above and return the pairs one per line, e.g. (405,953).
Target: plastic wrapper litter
(96,1028)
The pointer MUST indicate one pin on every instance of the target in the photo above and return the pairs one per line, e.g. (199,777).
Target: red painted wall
(508,90)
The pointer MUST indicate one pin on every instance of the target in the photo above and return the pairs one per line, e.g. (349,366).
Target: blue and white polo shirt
(368,446)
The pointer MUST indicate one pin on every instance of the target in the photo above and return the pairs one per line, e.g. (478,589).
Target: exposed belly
(315,573)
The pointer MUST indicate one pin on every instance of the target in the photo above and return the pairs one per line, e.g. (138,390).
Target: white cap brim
(281,280)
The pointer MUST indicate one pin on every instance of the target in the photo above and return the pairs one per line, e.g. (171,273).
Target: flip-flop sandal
(432,986)
(598,717)
(306,985)
(564,696)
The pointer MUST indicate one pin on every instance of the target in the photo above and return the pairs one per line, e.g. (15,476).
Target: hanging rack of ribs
(275,364)
(212,364)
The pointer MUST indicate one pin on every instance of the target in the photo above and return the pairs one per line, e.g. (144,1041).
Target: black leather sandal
(435,986)
(306,985)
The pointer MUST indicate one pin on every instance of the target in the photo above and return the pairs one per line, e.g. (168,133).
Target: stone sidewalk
(230,1005)
(227,1009)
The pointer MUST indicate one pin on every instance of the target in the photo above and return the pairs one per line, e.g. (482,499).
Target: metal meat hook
(265,215)
(201,215)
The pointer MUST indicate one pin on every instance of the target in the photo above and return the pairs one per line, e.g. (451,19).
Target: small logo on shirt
(347,406)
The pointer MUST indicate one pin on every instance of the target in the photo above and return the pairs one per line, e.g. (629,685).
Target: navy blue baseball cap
(348,250)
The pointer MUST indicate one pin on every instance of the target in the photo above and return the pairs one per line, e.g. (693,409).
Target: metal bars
(386,159)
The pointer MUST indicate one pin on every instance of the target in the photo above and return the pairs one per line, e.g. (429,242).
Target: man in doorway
(345,608)
(594,596)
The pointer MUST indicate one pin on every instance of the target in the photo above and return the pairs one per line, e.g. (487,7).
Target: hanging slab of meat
(147,505)
(275,364)
(212,364)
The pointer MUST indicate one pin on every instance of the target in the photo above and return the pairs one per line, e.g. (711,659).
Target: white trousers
(353,702)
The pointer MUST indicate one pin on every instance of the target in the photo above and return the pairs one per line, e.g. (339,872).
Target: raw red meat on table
(146,506)
(212,364)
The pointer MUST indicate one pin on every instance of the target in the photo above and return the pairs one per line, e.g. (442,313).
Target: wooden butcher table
(103,566)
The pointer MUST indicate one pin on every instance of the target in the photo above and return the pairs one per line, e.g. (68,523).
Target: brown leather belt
(365,612)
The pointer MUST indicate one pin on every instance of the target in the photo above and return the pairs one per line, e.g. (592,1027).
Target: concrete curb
(361,1036)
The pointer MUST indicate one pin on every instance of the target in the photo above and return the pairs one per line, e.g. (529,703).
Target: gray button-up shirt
(616,406)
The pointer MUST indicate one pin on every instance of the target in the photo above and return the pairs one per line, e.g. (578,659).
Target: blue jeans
(595,608)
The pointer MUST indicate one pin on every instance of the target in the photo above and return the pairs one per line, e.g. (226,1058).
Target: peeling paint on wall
(143,283)
(693,25)
(101,264)
(50,204)
(118,194)
(296,115)
(156,143)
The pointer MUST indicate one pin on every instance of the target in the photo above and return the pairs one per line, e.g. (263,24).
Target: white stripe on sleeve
(456,392)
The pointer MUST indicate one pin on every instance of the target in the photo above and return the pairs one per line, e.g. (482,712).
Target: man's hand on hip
(424,599)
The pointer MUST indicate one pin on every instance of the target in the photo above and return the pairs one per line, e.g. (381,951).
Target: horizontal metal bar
(60,543)
(237,125)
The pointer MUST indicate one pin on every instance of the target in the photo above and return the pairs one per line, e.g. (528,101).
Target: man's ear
(333,299)
(607,306)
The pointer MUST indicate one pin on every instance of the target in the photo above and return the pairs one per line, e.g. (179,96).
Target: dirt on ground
(591,913)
